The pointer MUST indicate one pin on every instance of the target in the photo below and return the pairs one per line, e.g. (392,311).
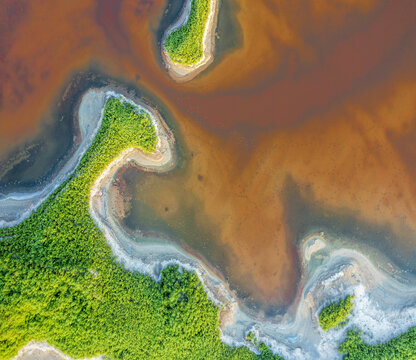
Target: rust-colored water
(321,94)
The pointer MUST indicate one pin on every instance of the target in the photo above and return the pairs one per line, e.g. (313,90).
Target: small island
(335,314)
(188,45)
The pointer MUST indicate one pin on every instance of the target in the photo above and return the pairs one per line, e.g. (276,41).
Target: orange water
(321,97)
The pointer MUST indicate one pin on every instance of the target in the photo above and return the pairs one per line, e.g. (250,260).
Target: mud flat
(43,351)
(183,73)
(384,304)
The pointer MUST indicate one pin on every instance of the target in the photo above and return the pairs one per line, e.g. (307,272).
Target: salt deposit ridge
(384,304)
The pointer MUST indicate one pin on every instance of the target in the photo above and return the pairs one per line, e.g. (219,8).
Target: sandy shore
(183,73)
(384,304)
(43,351)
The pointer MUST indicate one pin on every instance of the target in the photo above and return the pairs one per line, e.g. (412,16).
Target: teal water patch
(177,216)
(230,35)
(305,216)
(32,164)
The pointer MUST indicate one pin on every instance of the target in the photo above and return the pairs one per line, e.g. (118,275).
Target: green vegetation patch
(402,347)
(184,45)
(265,352)
(336,313)
(60,282)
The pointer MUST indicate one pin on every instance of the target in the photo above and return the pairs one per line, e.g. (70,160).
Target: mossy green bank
(265,352)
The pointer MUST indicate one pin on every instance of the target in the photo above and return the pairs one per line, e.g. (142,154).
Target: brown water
(310,123)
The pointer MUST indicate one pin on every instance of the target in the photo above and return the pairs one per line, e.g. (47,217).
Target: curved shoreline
(297,334)
(15,207)
(153,254)
(384,305)
(182,73)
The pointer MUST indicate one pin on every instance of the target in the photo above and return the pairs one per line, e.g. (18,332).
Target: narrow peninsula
(188,44)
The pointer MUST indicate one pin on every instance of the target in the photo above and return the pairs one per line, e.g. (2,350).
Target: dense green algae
(59,281)
(185,45)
